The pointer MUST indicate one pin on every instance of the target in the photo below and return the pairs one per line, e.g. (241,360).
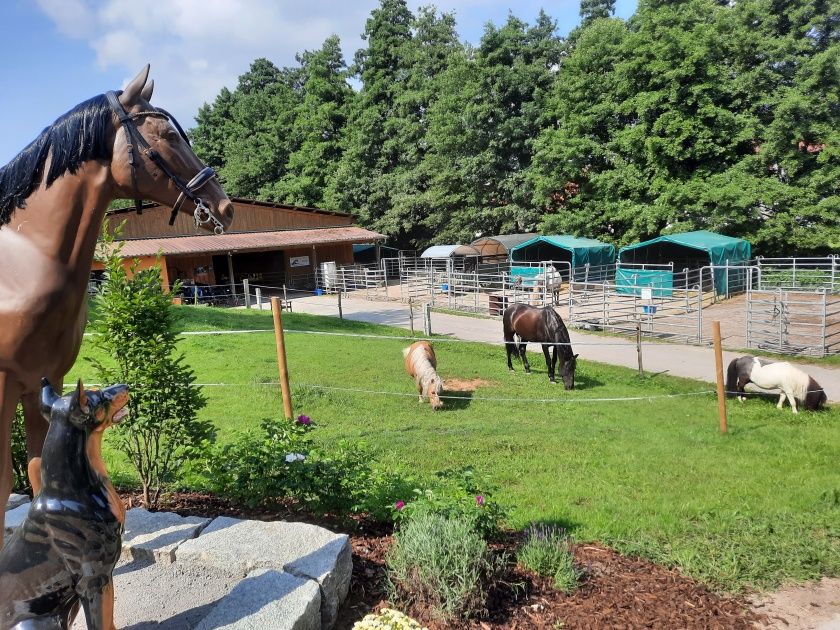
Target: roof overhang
(246,241)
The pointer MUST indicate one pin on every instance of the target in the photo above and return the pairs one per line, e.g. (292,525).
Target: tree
(594,9)
(134,329)
(319,122)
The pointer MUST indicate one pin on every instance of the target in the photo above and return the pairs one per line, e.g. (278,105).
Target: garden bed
(617,591)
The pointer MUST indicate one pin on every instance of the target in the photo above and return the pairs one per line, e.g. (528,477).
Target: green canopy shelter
(690,250)
(576,251)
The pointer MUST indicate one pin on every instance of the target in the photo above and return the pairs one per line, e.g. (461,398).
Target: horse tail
(732,378)
(507,323)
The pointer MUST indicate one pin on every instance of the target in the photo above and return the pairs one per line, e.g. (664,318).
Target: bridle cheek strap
(188,191)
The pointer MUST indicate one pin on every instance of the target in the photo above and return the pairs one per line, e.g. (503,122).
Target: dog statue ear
(48,398)
(84,406)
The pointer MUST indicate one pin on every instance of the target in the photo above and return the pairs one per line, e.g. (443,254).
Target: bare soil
(617,592)
(465,384)
(802,607)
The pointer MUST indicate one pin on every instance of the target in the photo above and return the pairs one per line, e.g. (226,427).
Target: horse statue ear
(146,92)
(48,398)
(84,406)
(576,356)
(133,91)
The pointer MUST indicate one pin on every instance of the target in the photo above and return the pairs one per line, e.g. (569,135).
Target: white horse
(795,384)
(421,364)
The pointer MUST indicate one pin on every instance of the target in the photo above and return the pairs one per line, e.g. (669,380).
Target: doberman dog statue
(64,553)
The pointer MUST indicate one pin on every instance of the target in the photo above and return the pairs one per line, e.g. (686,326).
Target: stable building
(269,243)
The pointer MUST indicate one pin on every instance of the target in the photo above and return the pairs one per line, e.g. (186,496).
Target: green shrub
(441,564)
(548,551)
(457,494)
(20,461)
(281,461)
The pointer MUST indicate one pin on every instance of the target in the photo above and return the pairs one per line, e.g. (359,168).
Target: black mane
(74,138)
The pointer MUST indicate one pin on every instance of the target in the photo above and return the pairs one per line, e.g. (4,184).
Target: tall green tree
(317,128)
(359,184)
(594,9)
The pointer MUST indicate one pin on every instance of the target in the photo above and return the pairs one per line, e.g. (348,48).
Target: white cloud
(196,47)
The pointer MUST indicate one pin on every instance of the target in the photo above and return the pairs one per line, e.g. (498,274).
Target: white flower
(295,457)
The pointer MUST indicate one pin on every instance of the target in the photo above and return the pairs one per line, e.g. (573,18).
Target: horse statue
(796,385)
(540,325)
(53,198)
(421,365)
(64,553)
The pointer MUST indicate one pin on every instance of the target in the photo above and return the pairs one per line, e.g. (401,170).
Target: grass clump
(548,551)
(441,565)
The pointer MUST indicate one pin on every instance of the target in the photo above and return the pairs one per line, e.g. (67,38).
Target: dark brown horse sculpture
(64,553)
(53,198)
(540,325)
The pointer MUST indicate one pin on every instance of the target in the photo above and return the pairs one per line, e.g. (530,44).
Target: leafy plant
(548,551)
(134,331)
(20,460)
(442,564)
(458,493)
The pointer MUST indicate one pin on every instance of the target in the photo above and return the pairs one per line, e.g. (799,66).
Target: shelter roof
(499,245)
(246,241)
(447,251)
(584,250)
(719,247)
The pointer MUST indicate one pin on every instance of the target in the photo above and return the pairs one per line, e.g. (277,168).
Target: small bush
(548,552)
(441,564)
(456,494)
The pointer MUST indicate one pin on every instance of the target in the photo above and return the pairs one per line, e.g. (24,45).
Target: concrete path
(690,361)
(179,573)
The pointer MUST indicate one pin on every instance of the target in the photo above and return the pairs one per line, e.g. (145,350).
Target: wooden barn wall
(154,222)
(145,262)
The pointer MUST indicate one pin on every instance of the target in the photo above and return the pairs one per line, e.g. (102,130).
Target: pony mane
(74,138)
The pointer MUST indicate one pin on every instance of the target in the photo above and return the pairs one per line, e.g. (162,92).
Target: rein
(202,214)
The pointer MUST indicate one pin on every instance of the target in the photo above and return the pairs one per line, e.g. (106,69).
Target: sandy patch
(464,384)
(814,606)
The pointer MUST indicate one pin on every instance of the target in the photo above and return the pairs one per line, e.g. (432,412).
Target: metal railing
(802,273)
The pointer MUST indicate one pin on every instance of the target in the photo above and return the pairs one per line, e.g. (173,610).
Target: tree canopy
(692,114)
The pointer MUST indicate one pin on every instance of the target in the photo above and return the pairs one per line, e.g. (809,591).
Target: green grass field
(756,507)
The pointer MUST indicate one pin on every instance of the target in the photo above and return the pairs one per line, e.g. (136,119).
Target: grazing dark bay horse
(796,385)
(540,325)
(53,198)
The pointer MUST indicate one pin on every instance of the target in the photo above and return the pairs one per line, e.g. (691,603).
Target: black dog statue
(64,553)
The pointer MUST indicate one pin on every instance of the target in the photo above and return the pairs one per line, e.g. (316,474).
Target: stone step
(178,573)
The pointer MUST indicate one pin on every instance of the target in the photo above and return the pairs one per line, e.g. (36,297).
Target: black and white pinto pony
(523,323)
(796,385)
(421,365)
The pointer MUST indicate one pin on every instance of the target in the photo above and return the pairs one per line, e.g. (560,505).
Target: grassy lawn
(756,507)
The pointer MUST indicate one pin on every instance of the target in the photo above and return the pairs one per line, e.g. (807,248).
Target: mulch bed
(617,592)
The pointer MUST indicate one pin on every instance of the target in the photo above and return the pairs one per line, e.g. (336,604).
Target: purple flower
(479,500)
(399,505)
(304,420)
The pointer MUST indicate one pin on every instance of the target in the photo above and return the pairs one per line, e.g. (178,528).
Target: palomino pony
(540,325)
(795,384)
(421,365)
(53,198)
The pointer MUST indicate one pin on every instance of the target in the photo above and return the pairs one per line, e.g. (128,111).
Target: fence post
(281,357)
(258,291)
(195,294)
(824,348)
(700,314)
(427,319)
(340,311)
(721,392)
(411,316)
(247,289)
(833,268)
(586,273)
(793,282)
(639,346)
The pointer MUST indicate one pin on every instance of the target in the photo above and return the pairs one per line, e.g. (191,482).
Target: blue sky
(58,53)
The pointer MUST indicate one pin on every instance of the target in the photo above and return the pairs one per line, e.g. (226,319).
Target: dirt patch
(803,607)
(465,384)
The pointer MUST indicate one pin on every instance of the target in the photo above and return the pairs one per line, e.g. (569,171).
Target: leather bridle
(134,138)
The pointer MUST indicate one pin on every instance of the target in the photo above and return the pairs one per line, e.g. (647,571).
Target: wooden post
(721,393)
(258,291)
(340,311)
(427,317)
(281,357)
(639,347)
(247,289)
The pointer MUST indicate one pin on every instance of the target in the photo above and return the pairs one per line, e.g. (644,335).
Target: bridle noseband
(202,214)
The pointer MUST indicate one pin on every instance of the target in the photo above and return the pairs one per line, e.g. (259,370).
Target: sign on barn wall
(299,261)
